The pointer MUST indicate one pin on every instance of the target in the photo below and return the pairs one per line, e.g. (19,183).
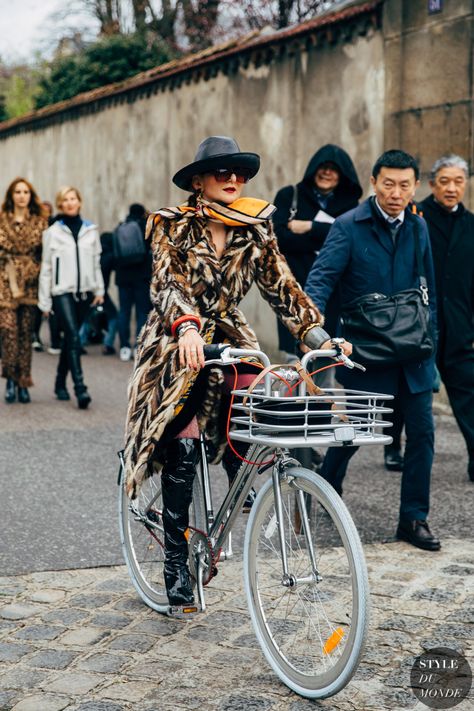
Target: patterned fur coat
(20,259)
(188,278)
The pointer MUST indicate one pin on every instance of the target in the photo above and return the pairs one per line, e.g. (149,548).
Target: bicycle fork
(290,580)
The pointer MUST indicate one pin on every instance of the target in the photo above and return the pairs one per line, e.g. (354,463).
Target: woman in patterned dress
(21,229)
(206,255)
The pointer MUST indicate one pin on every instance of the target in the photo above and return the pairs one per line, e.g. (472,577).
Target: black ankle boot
(10,391)
(181,456)
(83,397)
(231,464)
(61,391)
(23,395)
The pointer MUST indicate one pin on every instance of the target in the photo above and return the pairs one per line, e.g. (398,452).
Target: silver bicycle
(304,568)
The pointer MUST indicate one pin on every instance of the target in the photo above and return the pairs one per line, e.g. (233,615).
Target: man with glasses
(371,250)
(451,229)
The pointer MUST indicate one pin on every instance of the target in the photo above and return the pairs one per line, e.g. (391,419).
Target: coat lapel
(363,213)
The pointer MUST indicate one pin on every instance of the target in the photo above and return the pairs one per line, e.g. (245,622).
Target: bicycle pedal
(183,612)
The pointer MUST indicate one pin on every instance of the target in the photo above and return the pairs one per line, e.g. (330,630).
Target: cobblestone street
(83,641)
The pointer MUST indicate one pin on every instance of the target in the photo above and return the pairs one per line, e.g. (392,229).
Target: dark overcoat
(360,255)
(453,257)
(300,249)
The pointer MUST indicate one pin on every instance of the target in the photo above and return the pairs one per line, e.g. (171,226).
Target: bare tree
(256,14)
(196,24)
(108,13)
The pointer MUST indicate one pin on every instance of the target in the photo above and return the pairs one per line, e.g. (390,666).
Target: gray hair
(450,161)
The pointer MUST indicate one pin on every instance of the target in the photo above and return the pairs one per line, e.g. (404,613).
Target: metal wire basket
(336,418)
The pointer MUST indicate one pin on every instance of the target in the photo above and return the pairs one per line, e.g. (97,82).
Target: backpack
(128,244)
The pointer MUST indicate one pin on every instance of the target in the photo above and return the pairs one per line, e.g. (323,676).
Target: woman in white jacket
(70,283)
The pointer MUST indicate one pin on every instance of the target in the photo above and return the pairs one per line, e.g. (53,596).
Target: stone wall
(429,92)
(284,111)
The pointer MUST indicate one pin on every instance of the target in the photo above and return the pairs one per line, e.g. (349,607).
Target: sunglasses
(223,175)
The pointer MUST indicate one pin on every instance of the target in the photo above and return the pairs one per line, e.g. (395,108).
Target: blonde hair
(61,194)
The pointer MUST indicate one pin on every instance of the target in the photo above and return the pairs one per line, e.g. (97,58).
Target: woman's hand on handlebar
(345,346)
(191,352)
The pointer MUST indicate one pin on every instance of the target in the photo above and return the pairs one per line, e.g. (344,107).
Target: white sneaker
(125,353)
(54,351)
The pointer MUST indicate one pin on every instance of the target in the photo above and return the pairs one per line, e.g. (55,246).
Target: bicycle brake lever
(221,361)
(350,363)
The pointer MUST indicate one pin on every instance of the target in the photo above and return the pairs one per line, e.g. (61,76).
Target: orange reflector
(333,640)
(186,534)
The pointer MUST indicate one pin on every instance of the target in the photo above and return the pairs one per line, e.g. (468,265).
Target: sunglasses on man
(223,175)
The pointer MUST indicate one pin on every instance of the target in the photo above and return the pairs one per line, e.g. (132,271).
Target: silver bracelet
(186,326)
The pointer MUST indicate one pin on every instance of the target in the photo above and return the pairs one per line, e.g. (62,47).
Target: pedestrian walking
(70,283)
(206,254)
(304,214)
(37,342)
(451,230)
(132,275)
(21,227)
(372,250)
(107,266)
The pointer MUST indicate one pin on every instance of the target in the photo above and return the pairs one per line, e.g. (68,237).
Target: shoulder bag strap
(420,267)
(294,204)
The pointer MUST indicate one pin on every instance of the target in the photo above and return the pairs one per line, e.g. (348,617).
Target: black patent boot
(231,464)
(83,397)
(10,391)
(181,456)
(60,389)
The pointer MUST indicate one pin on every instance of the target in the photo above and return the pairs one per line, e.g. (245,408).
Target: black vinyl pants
(458,379)
(71,313)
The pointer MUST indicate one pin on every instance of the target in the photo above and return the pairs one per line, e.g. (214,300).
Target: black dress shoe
(23,395)
(418,534)
(393,459)
(62,393)
(10,391)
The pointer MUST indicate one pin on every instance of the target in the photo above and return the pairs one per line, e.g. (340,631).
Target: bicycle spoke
(307,622)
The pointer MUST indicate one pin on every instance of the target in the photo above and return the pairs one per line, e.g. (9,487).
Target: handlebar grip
(214,350)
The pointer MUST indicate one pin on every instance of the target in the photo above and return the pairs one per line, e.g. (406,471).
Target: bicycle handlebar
(223,353)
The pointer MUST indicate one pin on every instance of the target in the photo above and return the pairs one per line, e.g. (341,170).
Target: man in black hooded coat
(304,214)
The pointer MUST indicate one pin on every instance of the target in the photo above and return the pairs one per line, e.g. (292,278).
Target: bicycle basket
(292,413)
(336,417)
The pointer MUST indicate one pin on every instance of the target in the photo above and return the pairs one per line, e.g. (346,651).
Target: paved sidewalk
(82,640)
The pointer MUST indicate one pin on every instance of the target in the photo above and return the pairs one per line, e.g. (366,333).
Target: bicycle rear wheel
(312,625)
(142,536)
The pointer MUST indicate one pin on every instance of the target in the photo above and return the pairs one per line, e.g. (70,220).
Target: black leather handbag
(391,330)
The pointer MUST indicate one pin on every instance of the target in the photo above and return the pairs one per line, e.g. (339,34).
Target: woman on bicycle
(70,283)
(206,255)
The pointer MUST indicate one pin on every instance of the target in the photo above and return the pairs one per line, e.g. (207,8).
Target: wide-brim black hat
(216,152)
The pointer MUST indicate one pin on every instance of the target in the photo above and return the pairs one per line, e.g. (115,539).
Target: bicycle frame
(220,525)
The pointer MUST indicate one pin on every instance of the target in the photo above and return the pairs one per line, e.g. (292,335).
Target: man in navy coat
(372,249)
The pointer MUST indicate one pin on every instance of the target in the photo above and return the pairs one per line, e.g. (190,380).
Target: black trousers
(419,428)
(71,313)
(458,379)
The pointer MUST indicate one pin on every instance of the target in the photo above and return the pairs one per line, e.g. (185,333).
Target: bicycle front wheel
(311,623)
(142,536)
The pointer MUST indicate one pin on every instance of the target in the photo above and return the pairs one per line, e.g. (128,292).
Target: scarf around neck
(243,212)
